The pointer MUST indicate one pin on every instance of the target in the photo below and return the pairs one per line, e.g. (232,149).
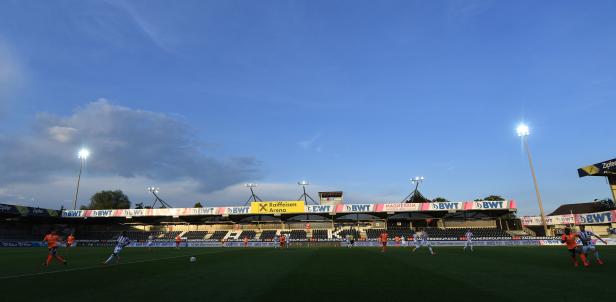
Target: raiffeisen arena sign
(277,207)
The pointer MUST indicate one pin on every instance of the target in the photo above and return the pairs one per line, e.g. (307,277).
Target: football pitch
(306,274)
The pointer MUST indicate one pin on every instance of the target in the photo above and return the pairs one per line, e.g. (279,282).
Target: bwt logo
(319,208)
(489,204)
(358,208)
(596,218)
(444,206)
(242,210)
(71,214)
(101,213)
(205,211)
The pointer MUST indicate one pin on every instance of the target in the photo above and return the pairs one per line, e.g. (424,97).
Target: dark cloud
(124,142)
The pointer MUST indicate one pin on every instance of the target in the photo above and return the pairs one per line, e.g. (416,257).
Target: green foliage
(108,200)
(198,205)
(491,198)
(440,199)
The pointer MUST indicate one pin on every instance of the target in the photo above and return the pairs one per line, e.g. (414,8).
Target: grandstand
(364,222)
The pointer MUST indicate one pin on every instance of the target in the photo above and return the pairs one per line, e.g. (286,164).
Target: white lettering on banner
(236,210)
(319,208)
(531,220)
(560,219)
(609,165)
(489,205)
(436,206)
(202,211)
(101,213)
(358,207)
(72,213)
(595,218)
(400,207)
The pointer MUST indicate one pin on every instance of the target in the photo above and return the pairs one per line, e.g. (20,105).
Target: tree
(108,200)
(198,205)
(607,204)
(491,198)
(440,199)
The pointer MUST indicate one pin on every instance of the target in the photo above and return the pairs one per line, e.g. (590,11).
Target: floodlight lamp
(523,130)
(83,154)
(250,185)
(303,183)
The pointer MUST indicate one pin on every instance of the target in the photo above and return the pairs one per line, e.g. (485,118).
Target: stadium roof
(579,208)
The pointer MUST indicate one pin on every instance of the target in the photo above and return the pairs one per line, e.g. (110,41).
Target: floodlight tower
(523,132)
(155,191)
(416,181)
(305,195)
(253,196)
(82,155)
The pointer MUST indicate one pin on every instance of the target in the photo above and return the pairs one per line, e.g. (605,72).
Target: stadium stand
(297,235)
(459,232)
(218,235)
(249,234)
(268,235)
(345,232)
(320,235)
(170,235)
(195,235)
(374,233)
(399,232)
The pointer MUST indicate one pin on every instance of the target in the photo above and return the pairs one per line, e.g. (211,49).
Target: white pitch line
(93,267)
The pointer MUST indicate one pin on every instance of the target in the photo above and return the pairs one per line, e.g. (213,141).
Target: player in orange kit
(52,240)
(178,240)
(383,239)
(570,239)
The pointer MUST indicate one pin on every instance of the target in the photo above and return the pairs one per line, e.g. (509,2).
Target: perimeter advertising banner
(277,207)
(398,207)
(605,168)
(595,218)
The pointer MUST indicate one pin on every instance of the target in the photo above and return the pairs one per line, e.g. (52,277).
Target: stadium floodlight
(83,154)
(523,131)
(416,181)
(155,191)
(253,196)
(305,196)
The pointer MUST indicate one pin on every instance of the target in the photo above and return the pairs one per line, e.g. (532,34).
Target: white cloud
(127,146)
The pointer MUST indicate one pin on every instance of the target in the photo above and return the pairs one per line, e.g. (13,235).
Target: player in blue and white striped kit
(469,240)
(421,239)
(120,244)
(588,245)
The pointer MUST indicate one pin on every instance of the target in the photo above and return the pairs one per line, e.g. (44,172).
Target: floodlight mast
(253,196)
(305,195)
(417,180)
(155,191)
(83,154)
(523,131)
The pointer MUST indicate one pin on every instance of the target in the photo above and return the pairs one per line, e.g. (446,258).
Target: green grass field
(303,274)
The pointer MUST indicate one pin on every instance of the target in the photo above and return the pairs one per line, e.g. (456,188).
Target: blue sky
(200,97)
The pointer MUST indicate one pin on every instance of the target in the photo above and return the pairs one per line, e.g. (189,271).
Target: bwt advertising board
(277,207)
